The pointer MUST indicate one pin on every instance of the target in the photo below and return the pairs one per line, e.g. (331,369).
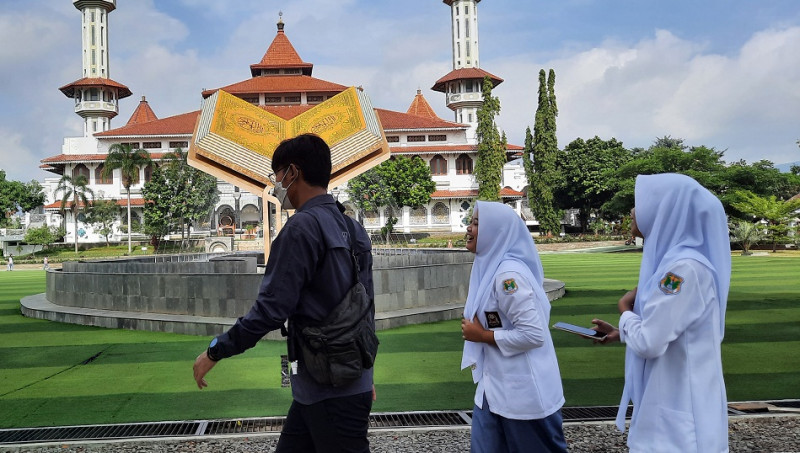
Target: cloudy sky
(720,73)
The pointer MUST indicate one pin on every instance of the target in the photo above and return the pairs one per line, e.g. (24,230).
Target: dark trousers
(492,433)
(332,425)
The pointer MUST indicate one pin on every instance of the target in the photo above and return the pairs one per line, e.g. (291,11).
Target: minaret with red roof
(96,95)
(463,85)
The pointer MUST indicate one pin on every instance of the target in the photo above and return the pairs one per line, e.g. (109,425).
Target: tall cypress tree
(491,150)
(541,151)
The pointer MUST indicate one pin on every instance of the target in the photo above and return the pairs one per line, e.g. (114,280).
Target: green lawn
(48,376)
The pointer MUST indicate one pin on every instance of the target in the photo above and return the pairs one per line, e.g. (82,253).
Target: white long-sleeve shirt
(679,402)
(520,379)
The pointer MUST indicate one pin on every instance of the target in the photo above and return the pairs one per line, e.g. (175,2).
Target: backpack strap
(351,234)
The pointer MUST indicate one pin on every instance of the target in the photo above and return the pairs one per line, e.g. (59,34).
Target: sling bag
(337,350)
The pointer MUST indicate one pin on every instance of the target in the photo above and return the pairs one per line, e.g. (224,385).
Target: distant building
(282,83)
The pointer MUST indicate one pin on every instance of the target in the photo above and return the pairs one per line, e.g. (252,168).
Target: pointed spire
(420,107)
(281,55)
(142,114)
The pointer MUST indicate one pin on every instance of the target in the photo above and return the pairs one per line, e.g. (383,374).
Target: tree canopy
(76,196)
(541,151)
(18,196)
(102,214)
(491,158)
(397,182)
(122,156)
(774,211)
(176,196)
(607,172)
(586,183)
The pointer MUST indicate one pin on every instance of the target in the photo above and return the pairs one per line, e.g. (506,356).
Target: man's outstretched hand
(202,365)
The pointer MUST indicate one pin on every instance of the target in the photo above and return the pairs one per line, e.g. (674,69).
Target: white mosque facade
(282,83)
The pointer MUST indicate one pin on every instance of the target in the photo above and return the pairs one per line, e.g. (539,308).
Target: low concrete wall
(204,294)
(226,286)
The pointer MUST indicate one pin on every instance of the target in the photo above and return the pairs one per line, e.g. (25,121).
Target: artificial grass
(51,373)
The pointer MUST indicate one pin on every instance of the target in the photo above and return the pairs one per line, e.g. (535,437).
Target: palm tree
(75,196)
(128,160)
(747,234)
(776,212)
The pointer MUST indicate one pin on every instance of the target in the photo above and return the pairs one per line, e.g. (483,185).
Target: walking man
(308,273)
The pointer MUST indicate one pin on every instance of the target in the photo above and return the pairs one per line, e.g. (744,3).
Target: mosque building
(282,83)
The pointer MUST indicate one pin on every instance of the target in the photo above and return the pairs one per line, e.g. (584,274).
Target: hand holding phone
(578,330)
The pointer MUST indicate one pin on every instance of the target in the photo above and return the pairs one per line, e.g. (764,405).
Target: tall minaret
(96,95)
(464,83)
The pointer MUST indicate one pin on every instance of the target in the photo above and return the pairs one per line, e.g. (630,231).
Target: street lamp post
(236,196)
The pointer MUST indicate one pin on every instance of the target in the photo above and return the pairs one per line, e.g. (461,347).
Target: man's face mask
(282,193)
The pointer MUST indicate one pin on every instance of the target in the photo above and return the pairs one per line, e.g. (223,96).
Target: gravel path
(773,433)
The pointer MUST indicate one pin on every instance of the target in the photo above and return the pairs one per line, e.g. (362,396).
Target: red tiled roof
(182,124)
(396,120)
(69,89)
(142,114)
(70,158)
(280,84)
(433,149)
(508,192)
(505,192)
(135,202)
(455,193)
(420,107)
(281,54)
(464,73)
(446,149)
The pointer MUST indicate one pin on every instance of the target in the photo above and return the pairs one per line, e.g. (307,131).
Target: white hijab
(679,219)
(504,239)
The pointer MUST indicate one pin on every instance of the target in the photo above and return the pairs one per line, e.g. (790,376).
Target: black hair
(310,154)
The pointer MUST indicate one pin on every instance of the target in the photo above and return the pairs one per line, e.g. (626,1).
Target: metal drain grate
(419,419)
(249,425)
(275,424)
(594,413)
(98,432)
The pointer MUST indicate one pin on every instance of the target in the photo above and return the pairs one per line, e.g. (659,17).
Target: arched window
(99,178)
(441,214)
(438,165)
(80,170)
(372,218)
(148,172)
(419,216)
(398,216)
(135,220)
(464,165)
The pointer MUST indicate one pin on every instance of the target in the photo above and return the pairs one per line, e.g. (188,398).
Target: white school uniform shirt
(681,405)
(520,377)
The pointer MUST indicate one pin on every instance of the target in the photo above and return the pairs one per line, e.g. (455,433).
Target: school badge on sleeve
(493,320)
(671,283)
(509,286)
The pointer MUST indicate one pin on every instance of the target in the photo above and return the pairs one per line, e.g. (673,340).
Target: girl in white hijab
(508,345)
(673,323)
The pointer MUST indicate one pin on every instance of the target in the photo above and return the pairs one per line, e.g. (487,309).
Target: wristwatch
(212,349)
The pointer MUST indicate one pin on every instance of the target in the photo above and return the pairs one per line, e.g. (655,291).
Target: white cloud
(17,157)
(746,103)
(634,87)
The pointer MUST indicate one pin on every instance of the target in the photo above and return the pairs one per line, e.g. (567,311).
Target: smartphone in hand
(578,330)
